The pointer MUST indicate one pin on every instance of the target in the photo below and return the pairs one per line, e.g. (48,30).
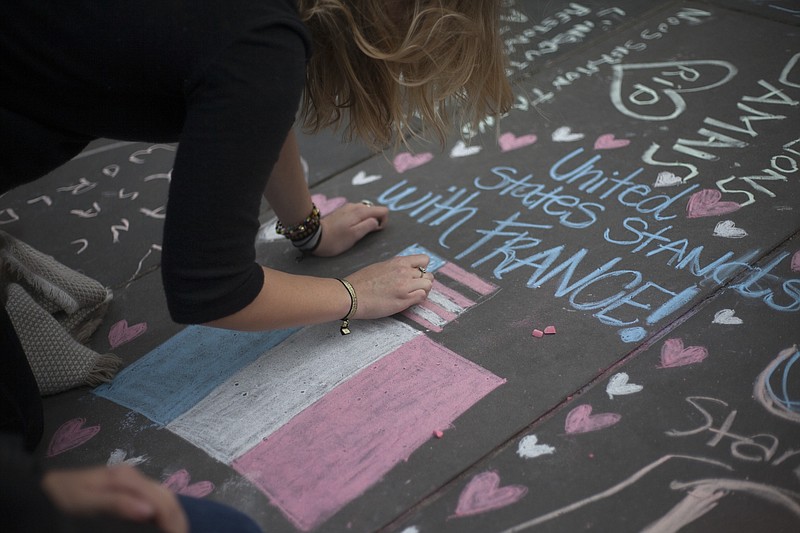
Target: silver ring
(422,271)
(368,203)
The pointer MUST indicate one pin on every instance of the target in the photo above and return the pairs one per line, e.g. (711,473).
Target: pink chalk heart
(509,141)
(795,266)
(121,332)
(706,203)
(179,484)
(674,354)
(70,435)
(484,493)
(581,420)
(327,205)
(407,161)
(607,141)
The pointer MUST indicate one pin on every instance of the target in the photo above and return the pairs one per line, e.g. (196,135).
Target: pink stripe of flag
(417,314)
(335,450)
(446,315)
(455,297)
(465,278)
(422,321)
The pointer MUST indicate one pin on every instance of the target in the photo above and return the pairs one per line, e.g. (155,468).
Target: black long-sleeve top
(223,78)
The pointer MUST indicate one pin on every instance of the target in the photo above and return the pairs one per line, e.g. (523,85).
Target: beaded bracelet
(345,329)
(310,243)
(303,230)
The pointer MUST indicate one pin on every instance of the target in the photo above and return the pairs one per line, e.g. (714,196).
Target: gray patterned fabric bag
(54,310)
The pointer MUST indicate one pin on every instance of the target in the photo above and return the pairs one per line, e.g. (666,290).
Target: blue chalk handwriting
(521,243)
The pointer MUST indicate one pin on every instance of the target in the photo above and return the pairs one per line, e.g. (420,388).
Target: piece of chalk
(550,330)
(537,333)
(438,434)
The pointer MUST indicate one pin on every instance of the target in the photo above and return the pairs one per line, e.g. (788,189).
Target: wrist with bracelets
(306,235)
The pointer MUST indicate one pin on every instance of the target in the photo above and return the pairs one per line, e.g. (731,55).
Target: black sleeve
(23,504)
(238,116)
(20,403)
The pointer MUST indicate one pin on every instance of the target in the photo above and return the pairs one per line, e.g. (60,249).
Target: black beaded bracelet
(303,230)
(310,243)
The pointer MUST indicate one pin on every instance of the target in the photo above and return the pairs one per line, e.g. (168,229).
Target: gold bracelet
(344,328)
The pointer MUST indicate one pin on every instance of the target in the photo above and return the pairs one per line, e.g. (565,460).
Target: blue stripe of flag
(169,380)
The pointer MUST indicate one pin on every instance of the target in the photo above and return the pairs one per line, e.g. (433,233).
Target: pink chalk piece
(795,265)
(607,141)
(707,203)
(70,435)
(581,420)
(121,332)
(438,434)
(406,160)
(327,205)
(178,483)
(483,493)
(538,333)
(550,330)
(509,141)
(336,449)
(673,354)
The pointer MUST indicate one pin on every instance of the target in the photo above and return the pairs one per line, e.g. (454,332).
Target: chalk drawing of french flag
(444,303)
(312,418)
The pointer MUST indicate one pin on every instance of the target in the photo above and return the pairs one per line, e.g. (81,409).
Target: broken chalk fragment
(438,434)
(550,330)
(537,333)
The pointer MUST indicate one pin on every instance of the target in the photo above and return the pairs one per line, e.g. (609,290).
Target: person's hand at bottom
(121,491)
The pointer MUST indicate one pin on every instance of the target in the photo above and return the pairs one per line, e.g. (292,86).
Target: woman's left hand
(347,225)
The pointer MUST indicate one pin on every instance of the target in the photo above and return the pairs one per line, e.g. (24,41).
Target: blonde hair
(379,64)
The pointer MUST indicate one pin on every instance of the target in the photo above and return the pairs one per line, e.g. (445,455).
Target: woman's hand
(120,491)
(348,225)
(386,288)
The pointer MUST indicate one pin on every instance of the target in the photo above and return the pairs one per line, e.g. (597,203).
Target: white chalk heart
(726,316)
(667,179)
(530,448)
(564,135)
(728,229)
(462,150)
(362,178)
(618,386)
